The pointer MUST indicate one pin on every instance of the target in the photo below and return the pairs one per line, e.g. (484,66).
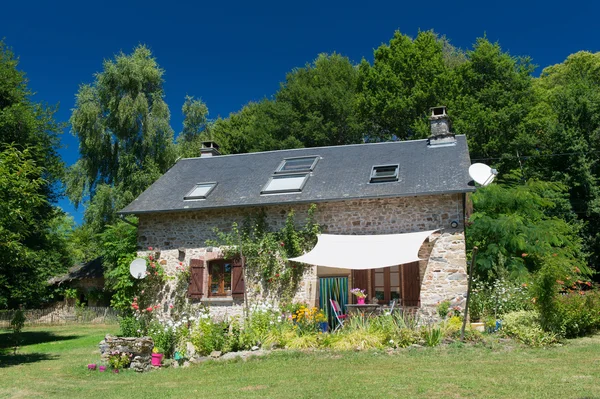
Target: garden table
(362,310)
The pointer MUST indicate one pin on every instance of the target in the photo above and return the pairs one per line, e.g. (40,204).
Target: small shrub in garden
(443,309)
(432,335)
(119,360)
(16,325)
(525,327)
(579,313)
(130,326)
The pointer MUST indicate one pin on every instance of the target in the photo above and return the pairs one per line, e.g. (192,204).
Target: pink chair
(339,315)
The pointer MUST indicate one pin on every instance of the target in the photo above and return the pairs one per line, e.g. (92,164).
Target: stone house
(362,190)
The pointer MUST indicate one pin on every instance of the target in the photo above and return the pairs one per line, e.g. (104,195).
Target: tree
(315,106)
(521,229)
(406,79)
(31,248)
(125,140)
(565,132)
(195,128)
(491,99)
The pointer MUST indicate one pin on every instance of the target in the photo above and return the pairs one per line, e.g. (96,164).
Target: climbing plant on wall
(266,252)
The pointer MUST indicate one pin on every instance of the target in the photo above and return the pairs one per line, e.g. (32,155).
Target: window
(384,173)
(219,278)
(387,284)
(301,164)
(200,191)
(285,184)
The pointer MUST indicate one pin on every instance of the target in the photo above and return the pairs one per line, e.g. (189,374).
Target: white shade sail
(365,251)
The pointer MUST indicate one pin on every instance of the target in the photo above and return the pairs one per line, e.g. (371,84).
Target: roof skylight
(292,183)
(200,191)
(300,164)
(384,173)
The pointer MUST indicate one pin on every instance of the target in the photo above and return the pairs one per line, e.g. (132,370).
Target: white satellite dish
(482,173)
(137,268)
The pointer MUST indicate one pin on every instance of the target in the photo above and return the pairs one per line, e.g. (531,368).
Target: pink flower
(149,309)
(149,248)
(171,306)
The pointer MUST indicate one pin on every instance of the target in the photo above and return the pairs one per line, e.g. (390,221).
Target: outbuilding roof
(340,173)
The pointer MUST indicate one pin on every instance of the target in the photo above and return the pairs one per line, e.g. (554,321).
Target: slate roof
(91,269)
(341,173)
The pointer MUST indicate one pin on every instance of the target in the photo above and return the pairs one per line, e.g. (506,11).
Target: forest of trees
(541,133)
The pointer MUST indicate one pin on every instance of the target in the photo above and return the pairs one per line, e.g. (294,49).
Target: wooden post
(466,314)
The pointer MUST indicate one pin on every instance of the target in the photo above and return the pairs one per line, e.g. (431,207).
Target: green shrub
(579,314)
(525,327)
(404,337)
(130,326)
(208,336)
(498,297)
(164,338)
(443,309)
(432,335)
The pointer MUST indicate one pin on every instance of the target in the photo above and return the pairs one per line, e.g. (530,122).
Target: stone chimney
(440,127)
(209,149)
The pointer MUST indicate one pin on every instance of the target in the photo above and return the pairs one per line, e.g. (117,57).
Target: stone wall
(181,236)
(140,348)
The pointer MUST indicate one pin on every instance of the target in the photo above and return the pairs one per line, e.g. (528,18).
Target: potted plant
(360,295)
(118,360)
(157,356)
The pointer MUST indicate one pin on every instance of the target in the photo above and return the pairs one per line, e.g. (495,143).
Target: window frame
(384,179)
(222,292)
(285,191)
(387,284)
(189,197)
(280,170)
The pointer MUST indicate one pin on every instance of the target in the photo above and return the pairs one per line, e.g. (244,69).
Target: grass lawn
(53,363)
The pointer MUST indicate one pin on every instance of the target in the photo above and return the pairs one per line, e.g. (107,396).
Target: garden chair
(339,315)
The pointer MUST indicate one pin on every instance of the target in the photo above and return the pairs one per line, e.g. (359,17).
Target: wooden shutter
(360,279)
(196,288)
(411,284)
(237,279)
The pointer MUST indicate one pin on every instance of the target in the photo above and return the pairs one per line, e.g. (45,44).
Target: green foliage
(315,106)
(443,308)
(16,325)
(497,297)
(579,313)
(516,231)
(164,338)
(130,326)
(525,327)
(118,246)
(119,360)
(432,335)
(32,246)
(125,140)
(406,79)
(196,128)
(266,252)
(208,336)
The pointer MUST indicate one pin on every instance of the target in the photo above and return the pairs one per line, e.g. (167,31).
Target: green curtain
(333,288)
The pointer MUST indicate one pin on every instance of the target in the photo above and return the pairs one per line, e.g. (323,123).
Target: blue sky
(229,53)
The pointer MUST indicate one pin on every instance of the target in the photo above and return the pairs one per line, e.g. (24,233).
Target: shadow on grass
(31,338)
(7,359)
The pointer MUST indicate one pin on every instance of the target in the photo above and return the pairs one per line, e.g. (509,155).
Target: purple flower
(91,366)
(102,368)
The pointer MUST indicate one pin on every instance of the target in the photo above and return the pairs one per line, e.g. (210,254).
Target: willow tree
(125,140)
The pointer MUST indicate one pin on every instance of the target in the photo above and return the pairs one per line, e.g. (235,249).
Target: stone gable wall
(443,274)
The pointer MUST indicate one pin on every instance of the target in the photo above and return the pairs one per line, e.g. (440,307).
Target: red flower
(149,248)
(277,275)
(156,273)
(149,309)
(150,257)
(171,306)
(282,244)
(588,283)
(180,263)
